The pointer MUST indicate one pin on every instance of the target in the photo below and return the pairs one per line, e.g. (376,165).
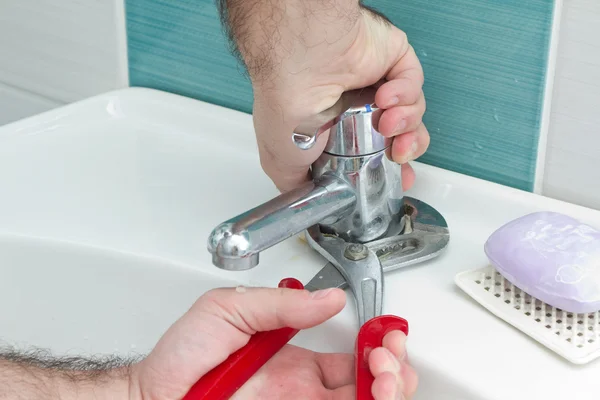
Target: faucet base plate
(361,266)
(424,236)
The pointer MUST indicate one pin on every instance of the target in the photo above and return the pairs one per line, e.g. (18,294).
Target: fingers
(385,368)
(394,377)
(263,309)
(400,119)
(395,342)
(404,103)
(221,322)
(405,77)
(410,146)
(411,380)
(408,176)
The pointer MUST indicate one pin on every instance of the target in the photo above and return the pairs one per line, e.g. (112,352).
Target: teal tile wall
(484,61)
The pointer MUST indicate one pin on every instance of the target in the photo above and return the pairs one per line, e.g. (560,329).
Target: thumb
(251,310)
(221,322)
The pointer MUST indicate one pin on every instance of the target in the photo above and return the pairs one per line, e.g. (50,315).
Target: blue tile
(179,47)
(484,61)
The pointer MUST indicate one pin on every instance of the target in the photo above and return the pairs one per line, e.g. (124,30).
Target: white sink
(106,206)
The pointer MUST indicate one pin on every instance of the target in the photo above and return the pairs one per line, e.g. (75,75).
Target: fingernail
(401,126)
(320,294)
(393,101)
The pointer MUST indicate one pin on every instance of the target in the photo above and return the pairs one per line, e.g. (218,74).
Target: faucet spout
(236,243)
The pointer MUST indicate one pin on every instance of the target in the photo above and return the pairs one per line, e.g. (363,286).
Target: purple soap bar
(551,256)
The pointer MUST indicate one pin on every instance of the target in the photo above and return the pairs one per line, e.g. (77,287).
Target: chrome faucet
(356,191)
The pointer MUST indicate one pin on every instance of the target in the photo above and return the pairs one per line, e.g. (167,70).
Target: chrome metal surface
(328,277)
(354,133)
(236,243)
(364,276)
(356,252)
(306,141)
(354,210)
(356,190)
(425,236)
(377,183)
(352,124)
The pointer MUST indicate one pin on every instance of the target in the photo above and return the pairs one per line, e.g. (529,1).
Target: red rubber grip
(225,379)
(370,336)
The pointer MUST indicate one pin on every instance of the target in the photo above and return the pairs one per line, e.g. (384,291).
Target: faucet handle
(306,134)
(352,121)
(306,141)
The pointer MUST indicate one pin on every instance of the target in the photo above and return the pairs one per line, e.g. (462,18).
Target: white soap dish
(576,337)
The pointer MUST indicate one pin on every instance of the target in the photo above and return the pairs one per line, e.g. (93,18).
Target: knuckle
(223,304)
(422,102)
(417,121)
(416,96)
(212,299)
(403,37)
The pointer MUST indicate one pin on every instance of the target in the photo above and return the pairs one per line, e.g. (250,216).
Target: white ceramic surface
(106,206)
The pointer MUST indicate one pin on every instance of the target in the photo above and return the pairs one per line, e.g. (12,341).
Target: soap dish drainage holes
(564,332)
(578,329)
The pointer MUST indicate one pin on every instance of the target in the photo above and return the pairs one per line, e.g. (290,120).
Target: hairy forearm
(38,375)
(267,33)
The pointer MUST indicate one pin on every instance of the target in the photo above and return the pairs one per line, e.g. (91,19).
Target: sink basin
(83,300)
(107,204)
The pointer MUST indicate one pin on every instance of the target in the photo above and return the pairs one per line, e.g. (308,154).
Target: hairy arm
(302,55)
(271,35)
(38,375)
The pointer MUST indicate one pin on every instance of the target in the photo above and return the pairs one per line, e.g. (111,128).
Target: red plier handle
(225,379)
(370,336)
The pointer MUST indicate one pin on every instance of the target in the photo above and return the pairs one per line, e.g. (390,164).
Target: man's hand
(222,321)
(302,55)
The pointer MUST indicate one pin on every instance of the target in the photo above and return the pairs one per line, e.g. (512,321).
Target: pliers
(424,236)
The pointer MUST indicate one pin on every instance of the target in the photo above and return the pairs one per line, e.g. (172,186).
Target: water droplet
(477,145)
(240,289)
(423,53)
(496,115)
(516,80)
